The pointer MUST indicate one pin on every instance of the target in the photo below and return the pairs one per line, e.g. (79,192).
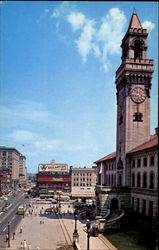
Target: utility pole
(8,234)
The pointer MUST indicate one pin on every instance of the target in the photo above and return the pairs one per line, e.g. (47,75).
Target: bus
(21,210)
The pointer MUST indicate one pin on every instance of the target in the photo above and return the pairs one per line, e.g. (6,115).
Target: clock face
(138,95)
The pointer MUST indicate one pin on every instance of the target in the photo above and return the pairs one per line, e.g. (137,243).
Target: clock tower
(133,84)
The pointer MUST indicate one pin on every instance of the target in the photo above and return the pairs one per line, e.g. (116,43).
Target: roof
(149,144)
(135,22)
(107,157)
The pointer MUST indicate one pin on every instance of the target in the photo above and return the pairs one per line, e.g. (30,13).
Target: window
(121,119)
(112,180)
(133,163)
(138,163)
(133,180)
(152,161)
(138,180)
(152,177)
(138,117)
(145,162)
(137,50)
(145,180)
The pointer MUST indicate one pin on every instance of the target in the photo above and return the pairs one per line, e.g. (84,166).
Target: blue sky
(58,63)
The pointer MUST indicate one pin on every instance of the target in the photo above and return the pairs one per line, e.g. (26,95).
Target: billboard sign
(53,168)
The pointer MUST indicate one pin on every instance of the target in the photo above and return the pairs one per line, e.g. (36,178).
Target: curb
(107,242)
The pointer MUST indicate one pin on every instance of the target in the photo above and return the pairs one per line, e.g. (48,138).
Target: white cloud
(61,10)
(23,135)
(84,43)
(148,25)
(25,111)
(101,42)
(76,20)
(45,144)
(102,39)
(37,141)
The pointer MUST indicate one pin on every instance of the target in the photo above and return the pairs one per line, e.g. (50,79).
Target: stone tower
(133,84)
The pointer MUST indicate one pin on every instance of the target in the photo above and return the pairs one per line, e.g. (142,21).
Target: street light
(88,233)
(8,234)
(75,233)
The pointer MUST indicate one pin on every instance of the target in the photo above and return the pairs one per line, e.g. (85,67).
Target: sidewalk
(49,235)
(95,242)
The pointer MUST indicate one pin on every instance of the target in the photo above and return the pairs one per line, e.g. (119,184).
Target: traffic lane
(11,200)
(13,222)
(12,205)
(12,217)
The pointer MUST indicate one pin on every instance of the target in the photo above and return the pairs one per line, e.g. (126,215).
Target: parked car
(54,201)
(4,209)
(7,204)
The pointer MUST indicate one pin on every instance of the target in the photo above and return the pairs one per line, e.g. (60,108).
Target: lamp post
(75,233)
(88,233)
(8,234)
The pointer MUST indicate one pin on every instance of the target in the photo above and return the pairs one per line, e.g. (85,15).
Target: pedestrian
(29,247)
(21,229)
(13,235)
(21,245)
(24,244)
(7,237)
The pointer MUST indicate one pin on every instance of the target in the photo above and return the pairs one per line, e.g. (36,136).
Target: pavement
(49,234)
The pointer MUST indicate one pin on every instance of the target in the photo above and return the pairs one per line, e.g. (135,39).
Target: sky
(57,87)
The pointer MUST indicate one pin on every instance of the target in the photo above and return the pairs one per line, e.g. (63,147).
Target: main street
(10,215)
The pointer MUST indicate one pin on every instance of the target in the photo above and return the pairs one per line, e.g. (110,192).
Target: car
(4,209)
(54,201)
(26,196)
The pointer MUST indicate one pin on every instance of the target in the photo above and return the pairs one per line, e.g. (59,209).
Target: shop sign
(53,168)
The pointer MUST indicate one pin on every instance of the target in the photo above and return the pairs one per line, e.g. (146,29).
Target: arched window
(152,177)
(133,180)
(138,180)
(137,50)
(145,180)
(112,180)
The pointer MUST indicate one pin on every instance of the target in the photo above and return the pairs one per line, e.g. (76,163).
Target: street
(10,215)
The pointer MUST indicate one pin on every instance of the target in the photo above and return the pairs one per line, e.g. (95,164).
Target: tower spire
(135,22)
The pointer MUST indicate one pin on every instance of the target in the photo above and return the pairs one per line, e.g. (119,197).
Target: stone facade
(10,159)
(83,181)
(120,185)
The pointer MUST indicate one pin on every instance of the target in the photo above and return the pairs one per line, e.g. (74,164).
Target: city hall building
(53,179)
(128,178)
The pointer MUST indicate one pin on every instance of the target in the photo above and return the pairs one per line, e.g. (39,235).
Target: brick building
(128,178)
(53,178)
